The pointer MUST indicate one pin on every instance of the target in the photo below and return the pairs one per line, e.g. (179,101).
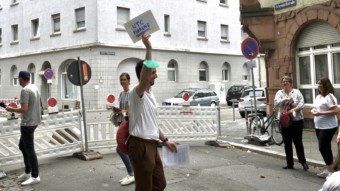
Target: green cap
(151,64)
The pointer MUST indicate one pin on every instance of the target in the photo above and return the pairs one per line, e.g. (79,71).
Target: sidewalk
(233,133)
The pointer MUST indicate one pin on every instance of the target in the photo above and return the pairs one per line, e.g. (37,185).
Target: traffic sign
(111,98)
(73,73)
(250,48)
(13,105)
(51,101)
(186,96)
(48,73)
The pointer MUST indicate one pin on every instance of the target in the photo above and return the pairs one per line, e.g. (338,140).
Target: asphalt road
(211,169)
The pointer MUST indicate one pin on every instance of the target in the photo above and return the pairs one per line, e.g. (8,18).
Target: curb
(256,149)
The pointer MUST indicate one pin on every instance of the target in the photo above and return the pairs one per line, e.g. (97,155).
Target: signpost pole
(49,90)
(82,102)
(250,50)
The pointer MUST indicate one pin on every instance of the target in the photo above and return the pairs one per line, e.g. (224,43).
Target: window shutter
(319,33)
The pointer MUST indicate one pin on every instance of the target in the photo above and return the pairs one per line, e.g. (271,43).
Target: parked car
(202,97)
(246,101)
(235,92)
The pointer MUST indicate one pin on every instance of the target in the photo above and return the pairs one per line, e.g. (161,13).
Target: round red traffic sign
(186,96)
(13,105)
(52,102)
(110,98)
(48,73)
(250,48)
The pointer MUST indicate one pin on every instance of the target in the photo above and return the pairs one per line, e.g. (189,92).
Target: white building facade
(198,45)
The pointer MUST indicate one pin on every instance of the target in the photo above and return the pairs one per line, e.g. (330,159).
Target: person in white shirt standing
(143,128)
(325,110)
(30,118)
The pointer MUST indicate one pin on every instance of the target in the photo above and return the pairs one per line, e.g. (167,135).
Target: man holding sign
(143,127)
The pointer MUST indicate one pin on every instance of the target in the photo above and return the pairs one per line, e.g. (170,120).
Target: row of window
(14,74)
(123,16)
(69,91)
(315,63)
(172,72)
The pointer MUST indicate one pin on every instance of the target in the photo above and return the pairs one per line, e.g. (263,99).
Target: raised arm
(144,83)
(147,44)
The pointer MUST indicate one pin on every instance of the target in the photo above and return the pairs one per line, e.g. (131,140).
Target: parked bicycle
(257,126)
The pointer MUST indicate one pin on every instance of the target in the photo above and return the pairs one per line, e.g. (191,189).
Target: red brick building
(297,40)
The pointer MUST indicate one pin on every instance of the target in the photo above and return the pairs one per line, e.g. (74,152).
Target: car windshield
(180,95)
(258,93)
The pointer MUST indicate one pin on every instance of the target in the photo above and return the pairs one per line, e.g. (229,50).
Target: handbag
(114,118)
(122,136)
(286,118)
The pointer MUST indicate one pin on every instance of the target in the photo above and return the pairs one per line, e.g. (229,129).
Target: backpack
(286,119)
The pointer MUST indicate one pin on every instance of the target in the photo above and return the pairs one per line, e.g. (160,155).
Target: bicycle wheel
(255,125)
(276,132)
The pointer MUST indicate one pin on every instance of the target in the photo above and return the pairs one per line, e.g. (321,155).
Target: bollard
(233,110)
(219,120)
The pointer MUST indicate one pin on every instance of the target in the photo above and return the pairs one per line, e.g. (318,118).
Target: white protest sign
(144,22)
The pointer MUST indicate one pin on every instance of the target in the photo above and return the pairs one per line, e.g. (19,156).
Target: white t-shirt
(324,104)
(143,115)
(332,183)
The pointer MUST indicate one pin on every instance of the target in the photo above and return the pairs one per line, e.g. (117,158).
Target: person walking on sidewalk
(293,133)
(325,110)
(143,128)
(30,118)
(123,106)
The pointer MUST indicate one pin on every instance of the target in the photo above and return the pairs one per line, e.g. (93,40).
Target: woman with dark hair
(123,107)
(325,110)
(293,133)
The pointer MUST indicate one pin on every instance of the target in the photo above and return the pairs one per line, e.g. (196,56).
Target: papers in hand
(143,23)
(181,157)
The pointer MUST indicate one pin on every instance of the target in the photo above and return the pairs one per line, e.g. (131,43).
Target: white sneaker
(323,174)
(126,177)
(24,176)
(31,181)
(329,175)
(128,180)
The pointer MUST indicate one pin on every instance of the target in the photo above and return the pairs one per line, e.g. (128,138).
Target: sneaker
(329,175)
(323,174)
(24,176)
(128,180)
(31,181)
(126,177)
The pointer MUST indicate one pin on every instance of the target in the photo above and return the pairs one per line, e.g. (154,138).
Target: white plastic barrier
(61,134)
(101,133)
(58,135)
(176,122)
(188,123)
